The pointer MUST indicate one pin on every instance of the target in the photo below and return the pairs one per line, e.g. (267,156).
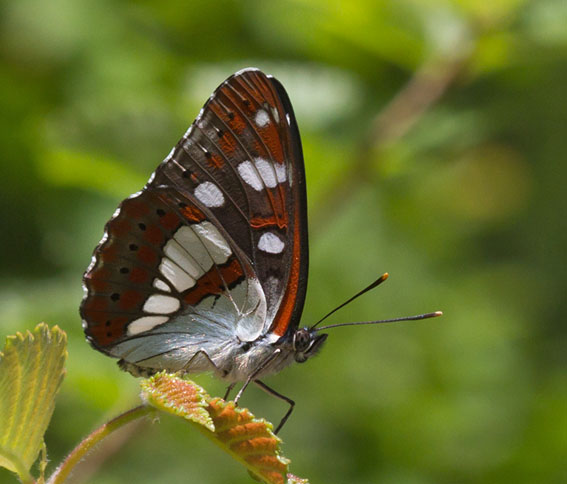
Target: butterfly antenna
(394,320)
(376,283)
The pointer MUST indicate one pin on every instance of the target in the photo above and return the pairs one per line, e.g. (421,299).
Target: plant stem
(79,452)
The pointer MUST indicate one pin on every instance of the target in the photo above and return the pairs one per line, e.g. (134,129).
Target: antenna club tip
(385,276)
(437,313)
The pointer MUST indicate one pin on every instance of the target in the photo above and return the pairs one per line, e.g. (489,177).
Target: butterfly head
(307,343)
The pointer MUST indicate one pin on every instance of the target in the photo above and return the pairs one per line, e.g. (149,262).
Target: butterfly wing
(214,249)
(242,158)
(166,281)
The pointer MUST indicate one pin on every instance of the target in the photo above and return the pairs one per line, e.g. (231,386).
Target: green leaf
(179,397)
(31,371)
(246,438)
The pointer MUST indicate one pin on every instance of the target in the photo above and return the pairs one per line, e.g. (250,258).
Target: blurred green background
(435,138)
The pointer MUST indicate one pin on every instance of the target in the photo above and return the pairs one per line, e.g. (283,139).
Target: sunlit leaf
(176,396)
(246,438)
(249,440)
(31,371)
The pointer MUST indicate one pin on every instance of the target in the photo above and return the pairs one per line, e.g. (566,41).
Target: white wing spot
(209,194)
(190,241)
(181,257)
(271,243)
(161,285)
(281,173)
(177,276)
(276,115)
(250,175)
(267,172)
(145,324)
(262,118)
(262,173)
(215,243)
(160,304)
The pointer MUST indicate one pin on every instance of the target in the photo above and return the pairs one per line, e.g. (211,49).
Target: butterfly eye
(306,344)
(301,340)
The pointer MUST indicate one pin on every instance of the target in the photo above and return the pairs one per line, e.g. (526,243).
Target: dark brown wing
(163,255)
(242,159)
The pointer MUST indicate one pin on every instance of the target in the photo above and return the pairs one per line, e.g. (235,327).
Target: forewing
(242,159)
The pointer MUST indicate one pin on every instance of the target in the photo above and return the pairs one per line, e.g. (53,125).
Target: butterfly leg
(255,373)
(228,390)
(272,392)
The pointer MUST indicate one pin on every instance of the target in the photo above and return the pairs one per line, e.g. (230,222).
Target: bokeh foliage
(434,139)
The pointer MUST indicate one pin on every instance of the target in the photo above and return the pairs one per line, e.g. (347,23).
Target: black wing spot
(115,296)
(133,247)
(160,212)
(142,226)
(124,270)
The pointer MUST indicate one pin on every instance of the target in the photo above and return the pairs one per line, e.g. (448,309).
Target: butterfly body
(205,269)
(233,360)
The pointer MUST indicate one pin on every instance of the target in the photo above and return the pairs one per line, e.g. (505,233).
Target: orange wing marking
(275,221)
(285,311)
(213,282)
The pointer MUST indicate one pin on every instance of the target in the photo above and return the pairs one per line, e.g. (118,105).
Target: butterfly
(205,269)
